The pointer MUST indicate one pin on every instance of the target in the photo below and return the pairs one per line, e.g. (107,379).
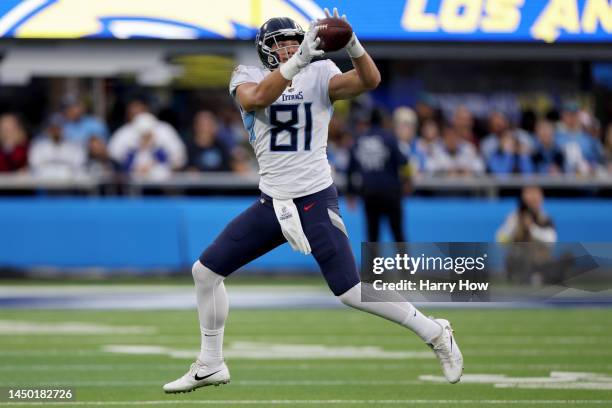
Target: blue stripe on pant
(256,231)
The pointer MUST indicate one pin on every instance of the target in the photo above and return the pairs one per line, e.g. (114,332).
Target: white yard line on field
(283,366)
(21,327)
(248,383)
(316,402)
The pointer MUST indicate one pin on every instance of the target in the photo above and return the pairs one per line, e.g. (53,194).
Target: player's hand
(307,51)
(309,47)
(335,14)
(353,47)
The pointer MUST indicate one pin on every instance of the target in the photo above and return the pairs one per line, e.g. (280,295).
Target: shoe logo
(309,206)
(206,376)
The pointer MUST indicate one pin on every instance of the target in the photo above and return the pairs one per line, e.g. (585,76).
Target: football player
(286,106)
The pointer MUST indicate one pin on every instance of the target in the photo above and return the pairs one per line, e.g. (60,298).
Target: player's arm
(252,96)
(364,77)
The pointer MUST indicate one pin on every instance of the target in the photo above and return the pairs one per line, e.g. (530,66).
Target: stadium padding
(170,233)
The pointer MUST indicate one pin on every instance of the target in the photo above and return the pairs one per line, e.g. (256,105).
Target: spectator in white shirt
(53,156)
(454,157)
(145,144)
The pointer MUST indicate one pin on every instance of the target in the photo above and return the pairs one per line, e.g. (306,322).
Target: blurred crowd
(73,142)
(455,143)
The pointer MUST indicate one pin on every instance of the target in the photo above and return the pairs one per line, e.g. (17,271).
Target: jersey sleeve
(241,75)
(328,69)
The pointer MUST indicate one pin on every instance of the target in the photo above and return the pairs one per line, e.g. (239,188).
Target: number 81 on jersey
(291,125)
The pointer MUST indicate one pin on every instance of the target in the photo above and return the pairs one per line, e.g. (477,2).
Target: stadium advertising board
(392,20)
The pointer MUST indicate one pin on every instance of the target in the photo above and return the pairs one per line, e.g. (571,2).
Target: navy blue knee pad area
(256,231)
(247,237)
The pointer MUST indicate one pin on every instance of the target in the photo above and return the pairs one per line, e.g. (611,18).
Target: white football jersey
(290,136)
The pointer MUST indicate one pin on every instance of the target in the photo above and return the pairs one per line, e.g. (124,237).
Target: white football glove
(354,47)
(289,220)
(307,51)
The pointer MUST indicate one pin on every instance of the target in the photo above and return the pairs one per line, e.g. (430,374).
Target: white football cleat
(199,375)
(447,351)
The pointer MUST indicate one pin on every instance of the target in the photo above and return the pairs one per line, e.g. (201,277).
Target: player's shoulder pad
(240,69)
(246,71)
(243,74)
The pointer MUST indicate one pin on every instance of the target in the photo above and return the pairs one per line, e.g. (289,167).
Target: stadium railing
(488,186)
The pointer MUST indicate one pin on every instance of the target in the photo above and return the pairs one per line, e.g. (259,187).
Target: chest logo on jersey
(292,97)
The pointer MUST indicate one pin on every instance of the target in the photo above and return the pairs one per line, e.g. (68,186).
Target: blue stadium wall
(146,234)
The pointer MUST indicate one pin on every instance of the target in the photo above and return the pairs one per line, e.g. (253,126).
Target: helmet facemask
(271,58)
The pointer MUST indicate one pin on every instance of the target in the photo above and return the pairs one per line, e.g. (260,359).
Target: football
(334,33)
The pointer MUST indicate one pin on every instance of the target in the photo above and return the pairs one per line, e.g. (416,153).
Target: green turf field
(513,343)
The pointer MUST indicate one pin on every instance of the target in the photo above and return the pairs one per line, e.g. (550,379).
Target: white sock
(403,313)
(212,311)
(211,349)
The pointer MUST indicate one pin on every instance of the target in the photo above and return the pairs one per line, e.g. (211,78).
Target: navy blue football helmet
(271,32)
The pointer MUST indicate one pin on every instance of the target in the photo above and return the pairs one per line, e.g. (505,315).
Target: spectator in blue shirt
(428,142)
(79,126)
(547,157)
(498,124)
(205,151)
(510,157)
(405,129)
(583,152)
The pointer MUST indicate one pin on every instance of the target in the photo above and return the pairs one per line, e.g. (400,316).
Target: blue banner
(390,20)
(171,233)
